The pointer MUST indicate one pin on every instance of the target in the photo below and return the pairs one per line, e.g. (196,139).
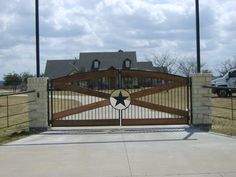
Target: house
(96,61)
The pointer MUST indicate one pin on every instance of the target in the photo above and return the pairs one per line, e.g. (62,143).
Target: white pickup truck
(225,84)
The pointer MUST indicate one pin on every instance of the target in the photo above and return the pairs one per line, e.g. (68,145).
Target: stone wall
(200,98)
(38,110)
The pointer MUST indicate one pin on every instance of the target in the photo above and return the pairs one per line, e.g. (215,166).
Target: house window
(96,64)
(127,64)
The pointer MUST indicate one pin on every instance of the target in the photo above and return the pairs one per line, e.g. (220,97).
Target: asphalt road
(176,151)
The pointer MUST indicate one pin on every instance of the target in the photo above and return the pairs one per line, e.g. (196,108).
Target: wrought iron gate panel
(82,99)
(88,103)
(157,98)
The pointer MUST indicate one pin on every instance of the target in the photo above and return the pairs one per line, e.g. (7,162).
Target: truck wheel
(222,93)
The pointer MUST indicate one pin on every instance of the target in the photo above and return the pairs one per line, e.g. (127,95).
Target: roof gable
(107,59)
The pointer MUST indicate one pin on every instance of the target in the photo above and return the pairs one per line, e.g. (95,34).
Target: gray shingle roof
(107,59)
(58,68)
(145,65)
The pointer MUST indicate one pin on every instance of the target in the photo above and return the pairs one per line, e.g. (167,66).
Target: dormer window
(96,64)
(127,63)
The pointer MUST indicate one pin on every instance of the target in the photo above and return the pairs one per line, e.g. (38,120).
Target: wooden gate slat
(102,122)
(81,109)
(85,91)
(153,90)
(157,121)
(158,107)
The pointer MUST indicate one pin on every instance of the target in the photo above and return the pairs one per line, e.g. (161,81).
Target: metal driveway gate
(85,99)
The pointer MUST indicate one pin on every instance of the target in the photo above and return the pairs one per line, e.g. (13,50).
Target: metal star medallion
(120,99)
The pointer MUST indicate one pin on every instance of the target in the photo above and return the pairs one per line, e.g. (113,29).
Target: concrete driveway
(120,152)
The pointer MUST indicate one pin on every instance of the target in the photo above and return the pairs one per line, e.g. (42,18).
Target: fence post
(201,100)
(38,110)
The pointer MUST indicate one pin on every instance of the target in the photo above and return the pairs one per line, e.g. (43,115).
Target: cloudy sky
(68,27)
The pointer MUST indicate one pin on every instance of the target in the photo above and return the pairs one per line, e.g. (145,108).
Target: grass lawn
(17,123)
(226,125)
(8,91)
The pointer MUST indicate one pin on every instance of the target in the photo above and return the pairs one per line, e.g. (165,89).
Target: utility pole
(37,37)
(198,36)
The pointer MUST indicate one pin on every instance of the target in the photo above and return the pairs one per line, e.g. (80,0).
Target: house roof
(58,68)
(145,65)
(107,59)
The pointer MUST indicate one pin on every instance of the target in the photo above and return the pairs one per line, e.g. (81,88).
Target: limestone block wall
(200,98)
(38,110)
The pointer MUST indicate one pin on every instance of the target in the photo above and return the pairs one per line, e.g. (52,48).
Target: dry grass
(17,122)
(17,105)
(8,91)
(226,124)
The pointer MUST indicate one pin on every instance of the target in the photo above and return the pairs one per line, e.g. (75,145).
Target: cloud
(68,27)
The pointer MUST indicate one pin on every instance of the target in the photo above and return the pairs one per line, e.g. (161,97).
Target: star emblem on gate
(120,99)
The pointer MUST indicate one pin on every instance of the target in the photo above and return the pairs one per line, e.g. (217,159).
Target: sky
(68,27)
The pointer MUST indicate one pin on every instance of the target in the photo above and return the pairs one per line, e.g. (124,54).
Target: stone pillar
(38,110)
(200,98)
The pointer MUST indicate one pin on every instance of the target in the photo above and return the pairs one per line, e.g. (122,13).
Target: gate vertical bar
(120,87)
(120,116)
(51,92)
(48,90)
(120,79)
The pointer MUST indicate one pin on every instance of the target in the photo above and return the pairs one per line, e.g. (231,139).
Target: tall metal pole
(198,36)
(37,37)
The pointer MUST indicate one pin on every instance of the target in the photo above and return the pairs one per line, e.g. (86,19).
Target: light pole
(37,37)
(198,37)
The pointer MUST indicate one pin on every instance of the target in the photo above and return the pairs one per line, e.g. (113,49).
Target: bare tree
(165,61)
(227,65)
(188,66)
